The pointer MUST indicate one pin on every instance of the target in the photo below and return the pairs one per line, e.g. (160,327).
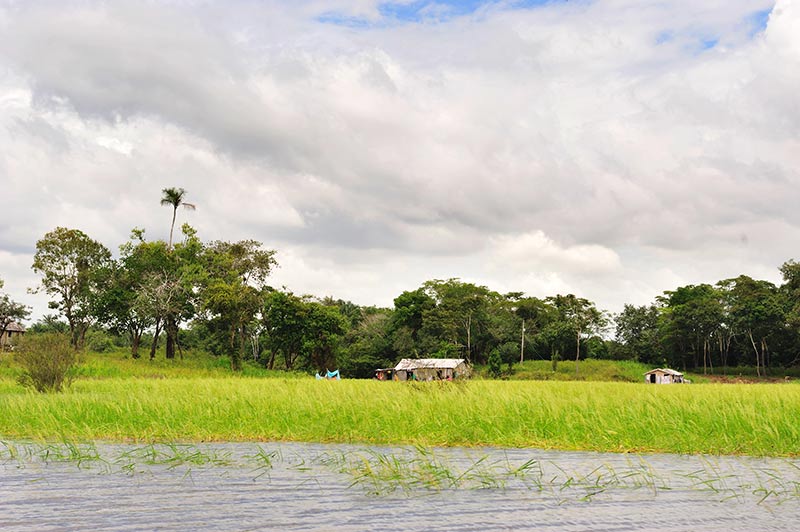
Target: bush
(99,341)
(47,360)
(495,362)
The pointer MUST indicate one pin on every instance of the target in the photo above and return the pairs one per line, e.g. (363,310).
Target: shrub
(47,360)
(99,341)
(495,362)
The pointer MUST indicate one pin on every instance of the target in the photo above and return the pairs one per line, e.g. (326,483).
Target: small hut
(430,369)
(664,376)
(14,332)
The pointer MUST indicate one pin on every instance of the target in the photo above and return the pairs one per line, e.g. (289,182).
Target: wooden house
(429,369)
(664,376)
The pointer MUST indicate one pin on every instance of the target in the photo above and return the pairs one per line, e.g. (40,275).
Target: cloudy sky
(612,148)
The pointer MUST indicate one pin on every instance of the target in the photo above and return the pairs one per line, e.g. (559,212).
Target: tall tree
(460,317)
(637,330)
(233,289)
(283,316)
(581,316)
(407,320)
(757,310)
(175,198)
(143,290)
(691,316)
(120,306)
(323,329)
(72,266)
(368,345)
(305,333)
(187,272)
(790,271)
(534,314)
(163,284)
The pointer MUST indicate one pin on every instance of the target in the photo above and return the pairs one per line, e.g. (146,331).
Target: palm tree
(174,197)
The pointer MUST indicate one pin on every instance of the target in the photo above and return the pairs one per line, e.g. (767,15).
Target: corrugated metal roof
(436,363)
(667,371)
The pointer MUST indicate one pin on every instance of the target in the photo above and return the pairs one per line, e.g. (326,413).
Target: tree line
(737,321)
(215,296)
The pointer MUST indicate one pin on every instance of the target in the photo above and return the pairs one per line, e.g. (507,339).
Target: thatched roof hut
(13,332)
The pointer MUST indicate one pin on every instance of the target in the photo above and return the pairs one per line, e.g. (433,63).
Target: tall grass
(622,417)
(118,364)
(590,369)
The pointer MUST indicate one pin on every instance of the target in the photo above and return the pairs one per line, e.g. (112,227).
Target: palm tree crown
(174,197)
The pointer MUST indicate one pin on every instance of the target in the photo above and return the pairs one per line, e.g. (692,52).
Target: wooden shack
(430,369)
(664,376)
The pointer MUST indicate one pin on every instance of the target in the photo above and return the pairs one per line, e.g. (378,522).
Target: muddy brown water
(355,488)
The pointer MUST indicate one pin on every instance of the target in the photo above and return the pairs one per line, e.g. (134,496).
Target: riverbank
(731,419)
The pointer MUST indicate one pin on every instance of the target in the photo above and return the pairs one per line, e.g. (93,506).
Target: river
(271,486)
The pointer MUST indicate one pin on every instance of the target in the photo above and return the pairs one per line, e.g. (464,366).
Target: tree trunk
(172,227)
(136,339)
(236,352)
(724,348)
(73,338)
(469,338)
(255,346)
(154,345)
(522,344)
(171,328)
(82,336)
(758,367)
(577,351)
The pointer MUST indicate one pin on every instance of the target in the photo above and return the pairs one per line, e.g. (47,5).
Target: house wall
(663,378)
(431,374)
(10,338)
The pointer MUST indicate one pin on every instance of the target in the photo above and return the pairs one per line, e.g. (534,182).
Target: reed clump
(417,470)
(598,416)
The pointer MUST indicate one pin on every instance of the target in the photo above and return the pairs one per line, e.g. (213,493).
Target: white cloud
(536,252)
(610,149)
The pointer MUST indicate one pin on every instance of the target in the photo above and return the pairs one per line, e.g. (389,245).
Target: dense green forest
(216,296)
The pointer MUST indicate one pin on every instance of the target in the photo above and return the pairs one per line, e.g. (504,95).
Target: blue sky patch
(420,10)
(425,11)
(708,42)
(758,21)
(343,20)
(665,37)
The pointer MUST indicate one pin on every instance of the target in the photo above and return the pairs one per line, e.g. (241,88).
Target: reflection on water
(319,487)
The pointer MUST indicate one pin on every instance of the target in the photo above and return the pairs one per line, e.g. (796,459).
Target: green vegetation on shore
(200,404)
(217,297)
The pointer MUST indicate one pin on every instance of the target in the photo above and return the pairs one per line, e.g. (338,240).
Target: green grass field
(198,400)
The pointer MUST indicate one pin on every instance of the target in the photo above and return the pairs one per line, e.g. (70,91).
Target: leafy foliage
(73,268)
(215,296)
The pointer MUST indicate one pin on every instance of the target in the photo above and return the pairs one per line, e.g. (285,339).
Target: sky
(611,149)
